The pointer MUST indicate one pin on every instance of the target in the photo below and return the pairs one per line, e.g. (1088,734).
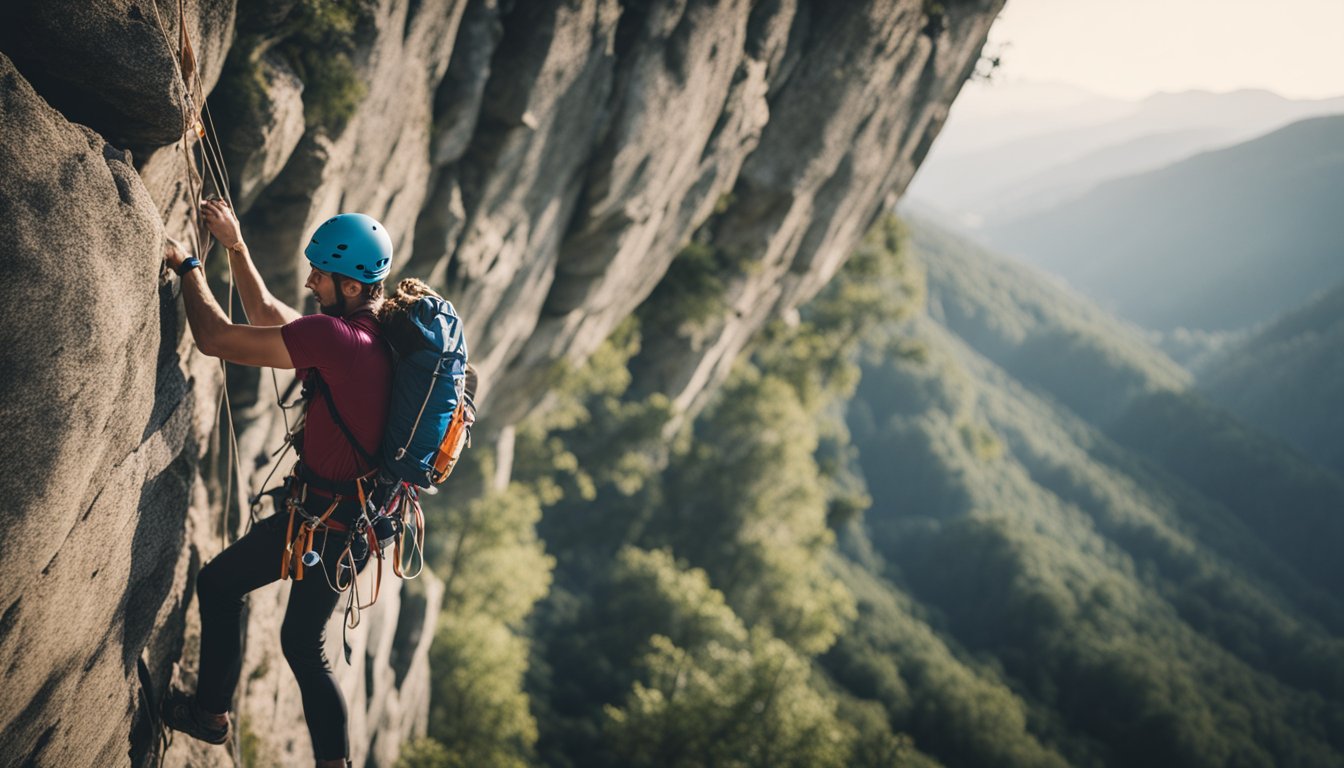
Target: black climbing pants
(254,561)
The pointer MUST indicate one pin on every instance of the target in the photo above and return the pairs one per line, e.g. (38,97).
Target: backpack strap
(319,387)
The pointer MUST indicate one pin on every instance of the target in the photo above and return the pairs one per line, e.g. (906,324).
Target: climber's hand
(174,253)
(222,223)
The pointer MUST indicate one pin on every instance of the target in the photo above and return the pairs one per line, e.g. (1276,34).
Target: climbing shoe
(181,714)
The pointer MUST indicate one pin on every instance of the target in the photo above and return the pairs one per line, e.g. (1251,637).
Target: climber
(350,254)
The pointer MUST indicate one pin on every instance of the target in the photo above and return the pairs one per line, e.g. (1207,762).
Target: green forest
(947,514)
(1286,378)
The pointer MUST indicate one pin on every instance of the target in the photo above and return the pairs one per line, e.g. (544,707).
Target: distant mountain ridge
(1071,178)
(1221,241)
(983,183)
(1018,109)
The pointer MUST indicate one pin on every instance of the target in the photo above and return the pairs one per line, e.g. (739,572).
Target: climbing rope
(200,123)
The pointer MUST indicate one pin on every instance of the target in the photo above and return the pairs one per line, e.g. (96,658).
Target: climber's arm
(215,335)
(261,306)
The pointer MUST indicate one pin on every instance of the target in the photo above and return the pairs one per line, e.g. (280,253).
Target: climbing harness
(375,532)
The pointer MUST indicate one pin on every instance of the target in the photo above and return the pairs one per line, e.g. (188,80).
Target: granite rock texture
(113,65)
(542,163)
(102,434)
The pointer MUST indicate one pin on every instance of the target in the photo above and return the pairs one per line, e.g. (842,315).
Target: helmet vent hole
(335,255)
(359,266)
(342,247)
(375,228)
(315,241)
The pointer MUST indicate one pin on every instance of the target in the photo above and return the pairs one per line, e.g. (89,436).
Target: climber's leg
(250,562)
(303,637)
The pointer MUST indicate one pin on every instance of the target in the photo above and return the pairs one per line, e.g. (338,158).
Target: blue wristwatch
(186,266)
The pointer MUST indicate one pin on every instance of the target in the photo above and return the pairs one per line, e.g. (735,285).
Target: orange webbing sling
(293,557)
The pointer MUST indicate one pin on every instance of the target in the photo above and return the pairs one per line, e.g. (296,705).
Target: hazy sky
(1131,48)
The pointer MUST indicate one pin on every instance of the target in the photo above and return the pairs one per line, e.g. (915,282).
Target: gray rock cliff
(543,163)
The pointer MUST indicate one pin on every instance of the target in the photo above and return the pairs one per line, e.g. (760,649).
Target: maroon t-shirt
(352,359)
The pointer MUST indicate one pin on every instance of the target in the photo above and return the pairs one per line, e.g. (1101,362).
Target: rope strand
(213,167)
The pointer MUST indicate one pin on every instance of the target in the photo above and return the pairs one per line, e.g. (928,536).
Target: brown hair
(401,333)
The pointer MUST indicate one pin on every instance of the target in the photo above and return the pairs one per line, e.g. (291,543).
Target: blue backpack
(431,412)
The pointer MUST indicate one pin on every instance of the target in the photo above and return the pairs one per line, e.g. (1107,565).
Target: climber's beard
(337,307)
(332,310)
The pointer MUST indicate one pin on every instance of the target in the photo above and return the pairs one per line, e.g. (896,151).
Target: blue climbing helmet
(353,245)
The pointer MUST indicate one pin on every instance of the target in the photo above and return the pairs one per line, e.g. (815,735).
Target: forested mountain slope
(890,549)
(1288,379)
(1137,606)
(1100,369)
(1040,332)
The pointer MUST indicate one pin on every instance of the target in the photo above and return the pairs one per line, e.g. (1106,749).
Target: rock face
(542,162)
(259,148)
(807,193)
(132,93)
(99,439)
